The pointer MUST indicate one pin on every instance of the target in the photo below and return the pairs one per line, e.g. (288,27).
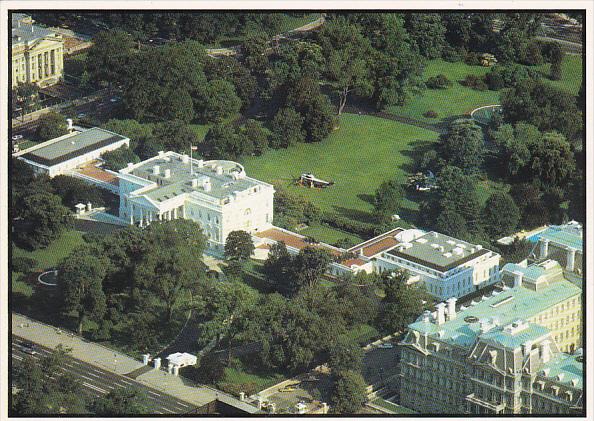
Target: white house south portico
(217,194)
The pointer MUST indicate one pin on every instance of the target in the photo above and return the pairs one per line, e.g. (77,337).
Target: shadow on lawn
(355,214)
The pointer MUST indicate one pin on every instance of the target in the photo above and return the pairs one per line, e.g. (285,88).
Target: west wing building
(37,53)
(447,266)
(502,354)
(217,194)
(65,153)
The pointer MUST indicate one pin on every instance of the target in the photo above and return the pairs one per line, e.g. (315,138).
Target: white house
(217,194)
(65,153)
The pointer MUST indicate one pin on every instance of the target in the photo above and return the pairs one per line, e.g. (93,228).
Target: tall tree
(50,126)
(552,160)
(501,215)
(44,218)
(277,268)
(462,145)
(228,308)
(239,246)
(220,102)
(121,401)
(544,106)
(172,266)
(348,393)
(427,32)
(43,388)
(347,53)
(286,129)
(109,55)
(309,265)
(73,190)
(388,198)
(80,280)
(345,355)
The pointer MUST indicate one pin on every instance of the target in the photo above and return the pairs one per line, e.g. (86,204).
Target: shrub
(362,229)
(508,76)
(438,82)
(532,55)
(474,82)
(23,264)
(451,54)
(431,114)
(472,58)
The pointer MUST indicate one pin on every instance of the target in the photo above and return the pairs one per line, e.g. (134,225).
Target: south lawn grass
(358,157)
(459,100)
(328,234)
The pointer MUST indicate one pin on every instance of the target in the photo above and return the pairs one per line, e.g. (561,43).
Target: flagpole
(191,161)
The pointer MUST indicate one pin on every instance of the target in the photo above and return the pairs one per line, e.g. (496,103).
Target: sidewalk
(119,363)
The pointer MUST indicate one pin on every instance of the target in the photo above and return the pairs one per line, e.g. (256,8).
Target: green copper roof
(569,366)
(551,269)
(566,235)
(507,306)
(513,341)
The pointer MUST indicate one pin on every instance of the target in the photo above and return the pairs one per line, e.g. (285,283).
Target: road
(97,382)
(98,108)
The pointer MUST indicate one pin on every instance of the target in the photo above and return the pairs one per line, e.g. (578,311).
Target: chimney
(207,186)
(527,347)
(156,170)
(451,308)
(130,164)
(185,159)
(89,207)
(167,173)
(545,351)
(161,153)
(426,316)
(518,279)
(435,235)
(194,182)
(440,313)
(157,362)
(69,122)
(200,163)
(219,170)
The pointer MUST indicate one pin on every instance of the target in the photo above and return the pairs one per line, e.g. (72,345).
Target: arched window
(247,212)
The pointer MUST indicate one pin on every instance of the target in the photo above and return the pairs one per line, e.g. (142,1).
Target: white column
(141,217)
(544,248)
(570,259)
(184,211)
(131,213)
(174,213)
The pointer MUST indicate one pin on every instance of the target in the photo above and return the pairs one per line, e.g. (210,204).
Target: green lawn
(456,100)
(363,334)
(358,157)
(52,255)
(328,234)
(571,74)
(200,130)
(293,22)
(459,100)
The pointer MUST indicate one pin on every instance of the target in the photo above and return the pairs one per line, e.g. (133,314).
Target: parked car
(387,345)
(115,99)
(287,389)
(81,115)
(17,137)
(29,348)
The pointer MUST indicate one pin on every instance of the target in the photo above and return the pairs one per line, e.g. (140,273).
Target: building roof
(70,146)
(438,251)
(180,178)
(294,240)
(506,306)
(550,269)
(568,235)
(24,32)
(377,244)
(569,366)
(510,340)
